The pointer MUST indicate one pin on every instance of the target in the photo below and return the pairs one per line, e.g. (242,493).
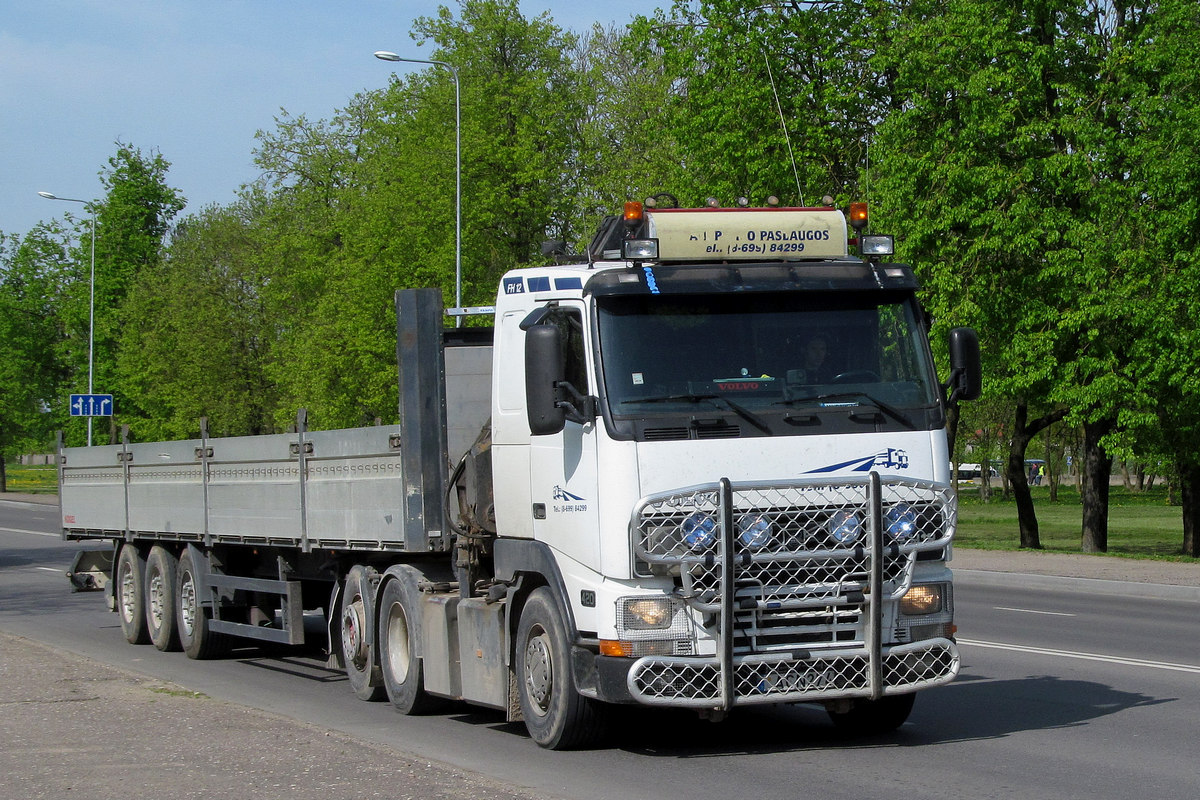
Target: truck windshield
(768,358)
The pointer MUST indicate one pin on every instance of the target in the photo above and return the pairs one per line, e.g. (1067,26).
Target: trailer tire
(399,645)
(160,595)
(358,640)
(130,594)
(556,715)
(192,617)
(874,717)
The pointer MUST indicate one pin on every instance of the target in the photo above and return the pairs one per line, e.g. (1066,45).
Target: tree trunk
(1097,466)
(3,475)
(1018,479)
(1189,489)
(952,417)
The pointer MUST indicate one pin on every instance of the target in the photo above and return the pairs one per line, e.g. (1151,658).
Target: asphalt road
(1063,694)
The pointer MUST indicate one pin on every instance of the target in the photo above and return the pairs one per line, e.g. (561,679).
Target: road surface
(1063,694)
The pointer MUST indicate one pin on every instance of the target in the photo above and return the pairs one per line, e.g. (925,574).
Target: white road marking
(1031,611)
(31,533)
(1043,651)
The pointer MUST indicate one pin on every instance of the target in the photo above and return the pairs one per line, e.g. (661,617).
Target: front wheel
(873,717)
(556,716)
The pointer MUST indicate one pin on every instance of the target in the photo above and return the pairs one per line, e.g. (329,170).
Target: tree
(132,222)
(977,169)
(196,337)
(777,99)
(1164,160)
(34,274)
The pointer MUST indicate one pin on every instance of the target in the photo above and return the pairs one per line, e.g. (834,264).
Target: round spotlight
(901,522)
(845,527)
(700,530)
(754,531)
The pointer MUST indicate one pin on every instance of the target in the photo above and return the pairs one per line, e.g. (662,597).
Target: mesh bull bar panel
(798,612)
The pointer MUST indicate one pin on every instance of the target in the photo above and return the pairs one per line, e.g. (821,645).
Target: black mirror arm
(580,408)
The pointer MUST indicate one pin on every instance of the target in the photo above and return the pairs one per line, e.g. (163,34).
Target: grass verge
(1140,524)
(31,480)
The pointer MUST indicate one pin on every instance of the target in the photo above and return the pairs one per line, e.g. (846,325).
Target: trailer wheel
(195,636)
(131,594)
(874,717)
(358,645)
(557,716)
(399,635)
(160,596)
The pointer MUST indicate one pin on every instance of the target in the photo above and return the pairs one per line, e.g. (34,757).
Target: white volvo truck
(704,465)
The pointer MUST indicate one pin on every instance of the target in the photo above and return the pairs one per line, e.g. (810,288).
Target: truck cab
(727,435)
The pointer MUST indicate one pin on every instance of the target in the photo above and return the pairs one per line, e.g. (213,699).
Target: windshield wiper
(890,410)
(736,408)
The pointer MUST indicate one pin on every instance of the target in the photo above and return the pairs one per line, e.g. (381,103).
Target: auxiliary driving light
(699,530)
(845,527)
(639,249)
(754,531)
(901,522)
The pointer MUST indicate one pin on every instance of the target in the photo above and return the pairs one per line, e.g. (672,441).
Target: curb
(1150,591)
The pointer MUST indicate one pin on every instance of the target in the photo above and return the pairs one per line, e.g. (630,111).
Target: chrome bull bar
(769,552)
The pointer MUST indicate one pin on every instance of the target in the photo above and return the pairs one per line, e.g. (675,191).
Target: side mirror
(966,374)
(545,368)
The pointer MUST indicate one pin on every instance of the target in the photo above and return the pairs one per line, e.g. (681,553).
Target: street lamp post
(385,55)
(91,297)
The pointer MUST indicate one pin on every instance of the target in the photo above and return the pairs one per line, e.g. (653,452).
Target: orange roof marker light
(633,212)
(858,216)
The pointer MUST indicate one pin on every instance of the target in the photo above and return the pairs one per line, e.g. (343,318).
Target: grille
(792,561)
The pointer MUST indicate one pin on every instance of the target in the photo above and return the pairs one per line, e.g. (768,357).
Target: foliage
(35,273)
(1037,160)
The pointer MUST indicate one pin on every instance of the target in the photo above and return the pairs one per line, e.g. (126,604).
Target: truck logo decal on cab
(570,503)
(891,458)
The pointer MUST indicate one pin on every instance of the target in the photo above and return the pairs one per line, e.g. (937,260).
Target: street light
(385,55)
(91,298)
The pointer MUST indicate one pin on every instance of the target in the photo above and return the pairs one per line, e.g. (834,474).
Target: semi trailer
(702,465)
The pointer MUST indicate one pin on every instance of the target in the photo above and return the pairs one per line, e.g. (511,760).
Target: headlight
(901,522)
(922,600)
(700,530)
(754,530)
(845,527)
(647,613)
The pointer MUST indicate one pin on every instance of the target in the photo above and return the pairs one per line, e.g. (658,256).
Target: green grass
(1140,525)
(32,480)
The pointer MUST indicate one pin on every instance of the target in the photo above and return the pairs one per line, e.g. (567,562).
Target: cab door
(563,474)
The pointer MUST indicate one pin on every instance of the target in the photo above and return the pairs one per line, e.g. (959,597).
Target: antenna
(783,125)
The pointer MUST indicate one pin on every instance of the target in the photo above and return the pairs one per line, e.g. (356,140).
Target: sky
(193,80)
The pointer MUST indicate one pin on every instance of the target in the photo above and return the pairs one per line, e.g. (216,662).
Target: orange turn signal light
(612,647)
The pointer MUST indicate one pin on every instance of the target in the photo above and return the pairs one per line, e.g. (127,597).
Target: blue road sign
(91,405)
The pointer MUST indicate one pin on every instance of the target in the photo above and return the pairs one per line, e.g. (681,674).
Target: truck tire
(195,636)
(874,717)
(399,645)
(160,595)
(130,594)
(556,716)
(358,641)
